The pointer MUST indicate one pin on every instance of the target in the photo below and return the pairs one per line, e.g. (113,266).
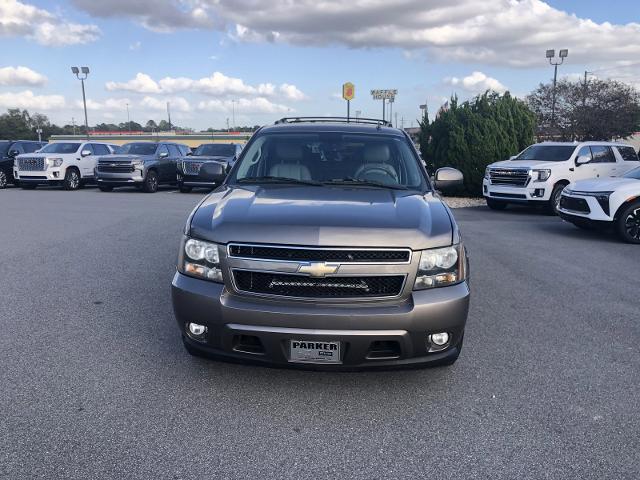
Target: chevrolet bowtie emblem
(318,269)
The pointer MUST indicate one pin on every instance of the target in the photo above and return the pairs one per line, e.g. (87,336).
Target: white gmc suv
(539,173)
(70,164)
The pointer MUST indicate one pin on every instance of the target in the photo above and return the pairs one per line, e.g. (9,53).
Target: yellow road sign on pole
(348,91)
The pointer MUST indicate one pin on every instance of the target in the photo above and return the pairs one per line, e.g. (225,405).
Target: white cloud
(292,92)
(135,45)
(243,105)
(27,100)
(14,76)
(109,104)
(497,32)
(19,19)
(217,85)
(477,82)
(178,104)
(142,83)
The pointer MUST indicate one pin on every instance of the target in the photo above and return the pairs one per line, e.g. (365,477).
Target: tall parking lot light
(564,53)
(82,73)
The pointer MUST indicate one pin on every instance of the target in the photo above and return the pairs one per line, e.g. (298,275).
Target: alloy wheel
(632,224)
(74,181)
(3,179)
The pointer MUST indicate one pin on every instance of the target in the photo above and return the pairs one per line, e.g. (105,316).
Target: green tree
(471,135)
(595,110)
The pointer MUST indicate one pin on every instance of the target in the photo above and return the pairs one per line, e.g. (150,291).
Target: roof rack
(368,121)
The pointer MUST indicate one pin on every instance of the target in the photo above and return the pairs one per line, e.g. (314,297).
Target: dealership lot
(95,382)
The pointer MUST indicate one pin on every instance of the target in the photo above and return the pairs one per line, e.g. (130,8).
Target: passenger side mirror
(583,159)
(164,154)
(512,157)
(13,153)
(447,178)
(213,172)
(85,153)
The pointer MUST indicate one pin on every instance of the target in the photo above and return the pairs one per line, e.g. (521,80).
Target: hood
(124,158)
(524,164)
(323,216)
(608,184)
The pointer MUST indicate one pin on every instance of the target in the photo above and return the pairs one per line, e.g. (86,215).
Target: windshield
(60,148)
(547,153)
(635,173)
(211,150)
(139,149)
(331,158)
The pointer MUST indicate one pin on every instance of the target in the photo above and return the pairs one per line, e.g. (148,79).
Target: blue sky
(273,59)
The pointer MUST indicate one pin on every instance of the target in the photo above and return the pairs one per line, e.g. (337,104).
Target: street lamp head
(551,53)
(75,70)
(564,53)
(85,70)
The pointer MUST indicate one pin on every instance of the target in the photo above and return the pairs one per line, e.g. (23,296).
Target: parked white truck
(70,164)
(539,173)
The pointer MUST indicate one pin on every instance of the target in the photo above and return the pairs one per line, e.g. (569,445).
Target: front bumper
(120,179)
(533,192)
(229,316)
(195,181)
(53,176)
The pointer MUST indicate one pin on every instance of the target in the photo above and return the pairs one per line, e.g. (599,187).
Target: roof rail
(368,121)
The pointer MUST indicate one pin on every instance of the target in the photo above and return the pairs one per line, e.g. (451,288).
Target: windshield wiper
(271,179)
(366,183)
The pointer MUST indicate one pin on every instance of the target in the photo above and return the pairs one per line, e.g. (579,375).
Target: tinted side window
(602,154)
(89,147)
(100,149)
(30,147)
(173,151)
(19,147)
(161,149)
(628,154)
(586,152)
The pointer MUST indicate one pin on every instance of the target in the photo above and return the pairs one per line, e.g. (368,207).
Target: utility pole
(228,129)
(233,113)
(85,73)
(584,93)
(73,122)
(169,115)
(128,121)
(396,120)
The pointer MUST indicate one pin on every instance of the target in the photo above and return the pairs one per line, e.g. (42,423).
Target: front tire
(554,200)
(496,204)
(150,182)
(71,179)
(3,179)
(628,223)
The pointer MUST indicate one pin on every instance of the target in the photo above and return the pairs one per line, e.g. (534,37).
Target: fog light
(196,329)
(440,339)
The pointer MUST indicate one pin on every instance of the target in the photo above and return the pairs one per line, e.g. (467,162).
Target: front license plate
(308,351)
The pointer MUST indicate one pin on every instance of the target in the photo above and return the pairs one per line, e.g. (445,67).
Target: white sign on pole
(383,94)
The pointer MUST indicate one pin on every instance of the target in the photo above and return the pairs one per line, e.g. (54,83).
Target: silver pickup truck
(326,246)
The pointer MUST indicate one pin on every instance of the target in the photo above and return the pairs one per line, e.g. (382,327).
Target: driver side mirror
(163,155)
(447,178)
(14,153)
(513,157)
(583,159)
(85,153)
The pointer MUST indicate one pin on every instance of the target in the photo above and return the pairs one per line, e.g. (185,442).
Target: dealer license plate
(308,351)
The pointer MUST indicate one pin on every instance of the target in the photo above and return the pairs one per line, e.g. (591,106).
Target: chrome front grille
(31,164)
(115,167)
(513,177)
(303,254)
(191,168)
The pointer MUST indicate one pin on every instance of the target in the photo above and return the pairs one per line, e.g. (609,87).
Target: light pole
(564,53)
(358,113)
(128,121)
(82,77)
(233,113)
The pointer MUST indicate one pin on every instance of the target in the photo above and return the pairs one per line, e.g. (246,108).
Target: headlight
(541,175)
(200,259)
(54,162)
(440,267)
(486,173)
(601,197)
(137,164)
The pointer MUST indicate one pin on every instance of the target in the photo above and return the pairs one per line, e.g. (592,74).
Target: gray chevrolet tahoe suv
(141,164)
(326,246)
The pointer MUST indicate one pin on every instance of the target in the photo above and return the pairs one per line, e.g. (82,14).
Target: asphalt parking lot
(94,381)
